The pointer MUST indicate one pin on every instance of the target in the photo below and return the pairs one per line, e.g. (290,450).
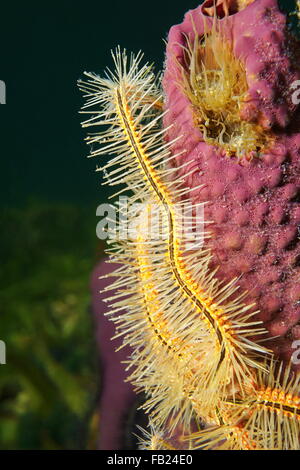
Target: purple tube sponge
(244,149)
(117,396)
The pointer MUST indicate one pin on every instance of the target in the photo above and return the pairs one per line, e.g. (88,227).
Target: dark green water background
(45,47)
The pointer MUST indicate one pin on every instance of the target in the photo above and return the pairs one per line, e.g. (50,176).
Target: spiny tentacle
(128,98)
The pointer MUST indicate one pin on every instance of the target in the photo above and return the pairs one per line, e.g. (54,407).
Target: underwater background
(51,383)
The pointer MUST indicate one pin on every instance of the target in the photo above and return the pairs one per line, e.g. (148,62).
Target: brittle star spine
(126,122)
